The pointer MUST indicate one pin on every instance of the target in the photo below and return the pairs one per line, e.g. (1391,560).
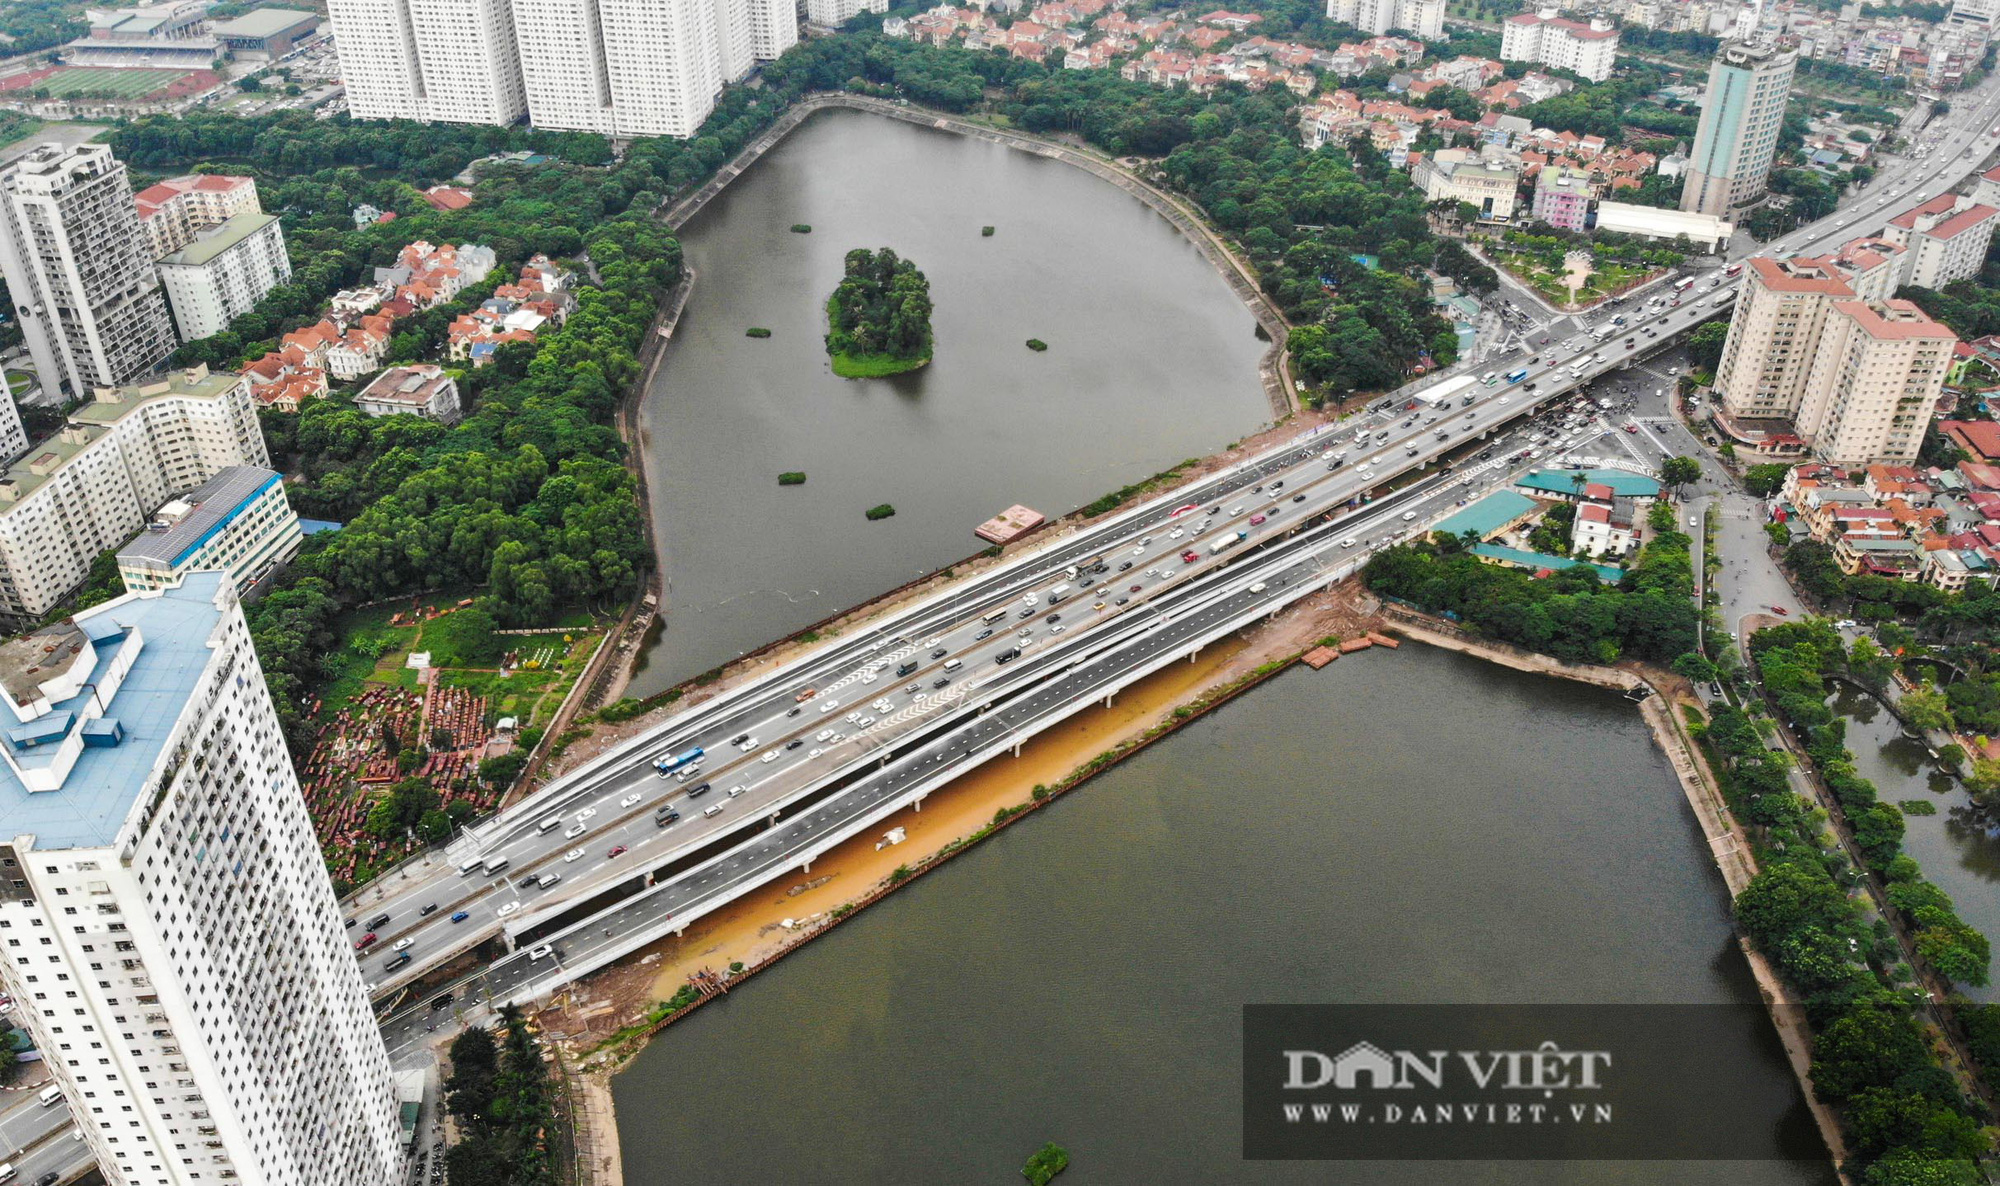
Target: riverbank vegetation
(879,317)
(1905,1117)
(504,1102)
(1572,614)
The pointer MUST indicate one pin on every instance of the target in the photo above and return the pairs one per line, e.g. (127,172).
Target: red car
(616,851)
(1628,427)
(1190,556)
(365,941)
(1133,589)
(1781,611)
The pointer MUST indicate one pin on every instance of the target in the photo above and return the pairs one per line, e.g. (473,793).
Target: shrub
(986,232)
(792,477)
(800,228)
(1037,345)
(756,331)
(880,512)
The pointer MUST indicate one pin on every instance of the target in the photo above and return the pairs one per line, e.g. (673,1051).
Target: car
(461,916)
(403,943)
(1167,574)
(1235,511)
(349,924)
(1124,566)
(666,819)
(1057,629)
(544,881)
(869,677)
(543,952)
(428,910)
(1254,521)
(631,800)
(770,755)
(366,941)
(1781,611)
(1176,533)
(617,851)
(574,854)
(939,653)
(507,909)
(826,706)
(585,814)
(1135,589)
(1633,428)
(1121,600)
(864,722)
(1026,613)
(983,634)
(573,831)
(1348,542)
(1409,515)
(931,642)
(1054,618)
(795,743)
(823,735)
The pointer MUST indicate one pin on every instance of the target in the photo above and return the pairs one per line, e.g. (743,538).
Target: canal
(1954,847)
(1407,827)
(1151,360)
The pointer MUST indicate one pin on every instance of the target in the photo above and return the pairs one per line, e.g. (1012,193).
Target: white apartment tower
(78,266)
(832,14)
(1944,239)
(435,61)
(223,272)
(614,67)
(1741,115)
(1547,38)
(99,480)
(1876,378)
(167,928)
(1425,18)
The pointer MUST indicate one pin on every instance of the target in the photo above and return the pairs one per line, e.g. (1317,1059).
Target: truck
(1227,542)
(1516,376)
(1442,395)
(1058,593)
(669,763)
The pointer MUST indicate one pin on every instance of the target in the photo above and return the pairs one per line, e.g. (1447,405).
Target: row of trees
(1904,1116)
(505,1104)
(1572,614)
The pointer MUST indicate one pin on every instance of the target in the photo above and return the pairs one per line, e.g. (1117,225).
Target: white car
(747,744)
(1237,510)
(770,755)
(931,642)
(1176,533)
(812,753)
(867,677)
(508,909)
(828,705)
(402,943)
(863,723)
(824,735)
(543,952)
(739,788)
(1348,542)
(1058,628)
(630,800)
(853,716)
(585,814)
(1166,574)
(1259,587)
(574,854)
(573,831)
(1409,515)
(1139,551)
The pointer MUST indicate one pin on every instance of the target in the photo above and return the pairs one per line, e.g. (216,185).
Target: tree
(1869,1047)
(1705,345)
(1764,480)
(1679,471)
(1696,667)
(1786,898)
(1925,708)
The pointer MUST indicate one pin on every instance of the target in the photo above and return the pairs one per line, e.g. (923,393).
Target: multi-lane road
(925,693)
(36,1140)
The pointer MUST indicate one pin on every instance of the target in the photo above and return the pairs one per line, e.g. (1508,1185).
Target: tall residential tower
(167,928)
(1741,115)
(80,269)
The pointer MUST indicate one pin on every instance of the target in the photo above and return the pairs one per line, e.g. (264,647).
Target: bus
(1441,395)
(673,762)
(1735,269)
(1684,283)
(1516,376)
(995,616)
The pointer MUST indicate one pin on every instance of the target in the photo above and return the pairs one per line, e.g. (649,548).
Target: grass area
(102,80)
(875,366)
(17,127)
(17,383)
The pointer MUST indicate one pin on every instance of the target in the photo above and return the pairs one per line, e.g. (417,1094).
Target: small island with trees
(879,318)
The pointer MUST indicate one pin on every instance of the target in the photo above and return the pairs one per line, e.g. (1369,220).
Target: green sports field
(124,84)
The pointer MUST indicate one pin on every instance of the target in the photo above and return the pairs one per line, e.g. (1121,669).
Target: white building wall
(471,66)
(664,65)
(377,44)
(207,297)
(562,65)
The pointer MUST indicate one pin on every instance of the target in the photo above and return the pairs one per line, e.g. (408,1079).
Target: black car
(441,1002)
(700,789)
(48,1179)
(1008,655)
(795,743)
(938,654)
(1026,613)
(1124,566)
(349,923)
(376,922)
(1298,498)
(1121,601)
(739,739)
(940,681)
(913,689)
(1054,618)
(982,634)
(428,910)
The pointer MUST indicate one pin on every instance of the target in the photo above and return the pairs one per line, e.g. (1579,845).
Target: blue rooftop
(1521,559)
(1623,483)
(1488,515)
(96,796)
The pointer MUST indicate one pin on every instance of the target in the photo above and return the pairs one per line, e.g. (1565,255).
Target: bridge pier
(772,820)
(806,866)
(1017,747)
(1108,697)
(917,804)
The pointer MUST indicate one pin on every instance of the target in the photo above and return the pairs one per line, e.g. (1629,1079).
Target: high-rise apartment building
(1876,377)
(832,14)
(1816,342)
(1943,240)
(1552,40)
(1741,115)
(78,266)
(167,928)
(435,61)
(175,210)
(13,435)
(615,67)
(1425,18)
(223,272)
(96,482)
